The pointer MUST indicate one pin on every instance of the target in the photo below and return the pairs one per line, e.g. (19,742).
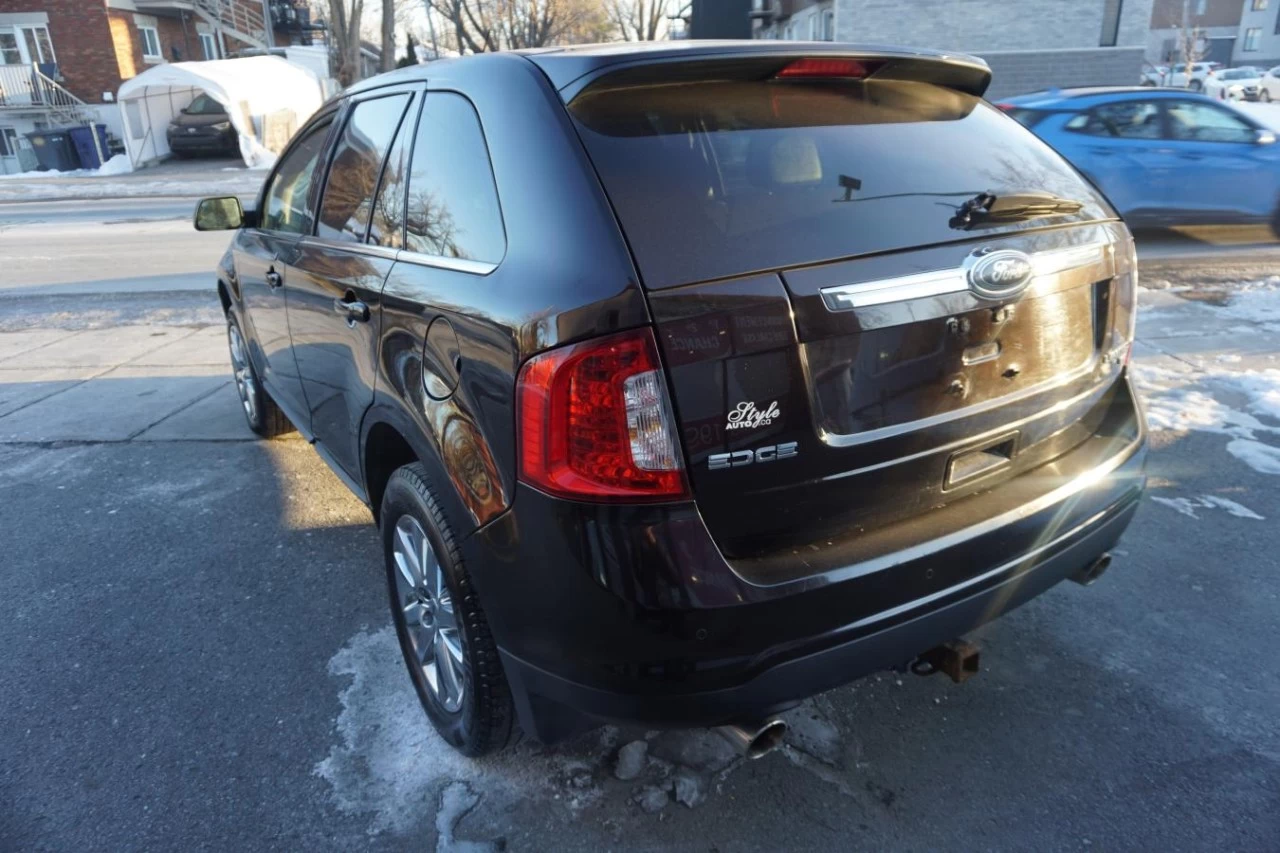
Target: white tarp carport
(266,97)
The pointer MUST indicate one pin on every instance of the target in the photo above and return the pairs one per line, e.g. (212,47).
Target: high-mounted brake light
(595,423)
(816,67)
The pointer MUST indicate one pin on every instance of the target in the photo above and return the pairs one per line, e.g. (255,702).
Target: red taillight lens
(815,67)
(1005,107)
(595,422)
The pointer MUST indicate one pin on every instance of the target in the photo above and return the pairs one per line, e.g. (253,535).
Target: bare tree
(388,35)
(638,20)
(479,26)
(344,30)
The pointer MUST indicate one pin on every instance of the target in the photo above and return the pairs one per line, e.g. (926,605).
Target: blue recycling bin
(82,139)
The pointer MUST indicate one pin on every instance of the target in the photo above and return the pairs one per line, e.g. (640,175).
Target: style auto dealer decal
(746,416)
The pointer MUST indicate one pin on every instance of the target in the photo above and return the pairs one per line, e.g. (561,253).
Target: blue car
(1162,157)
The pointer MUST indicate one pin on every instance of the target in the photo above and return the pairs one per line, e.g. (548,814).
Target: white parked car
(1234,84)
(1269,85)
(1153,75)
(1179,78)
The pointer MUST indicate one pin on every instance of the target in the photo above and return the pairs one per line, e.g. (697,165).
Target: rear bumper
(633,615)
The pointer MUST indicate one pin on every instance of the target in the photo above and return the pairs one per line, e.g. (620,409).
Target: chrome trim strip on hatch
(846,297)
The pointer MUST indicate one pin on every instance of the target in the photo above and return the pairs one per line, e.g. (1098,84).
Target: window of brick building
(150,42)
(209,45)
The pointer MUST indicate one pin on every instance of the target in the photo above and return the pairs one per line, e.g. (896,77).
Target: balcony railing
(23,87)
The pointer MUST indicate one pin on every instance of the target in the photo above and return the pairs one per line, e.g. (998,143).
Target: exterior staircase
(26,93)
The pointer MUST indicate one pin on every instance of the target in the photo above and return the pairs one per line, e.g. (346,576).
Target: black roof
(563,65)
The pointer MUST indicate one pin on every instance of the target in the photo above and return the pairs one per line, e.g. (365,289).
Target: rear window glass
(718,179)
(1024,116)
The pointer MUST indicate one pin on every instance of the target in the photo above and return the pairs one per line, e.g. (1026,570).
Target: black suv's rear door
(812,273)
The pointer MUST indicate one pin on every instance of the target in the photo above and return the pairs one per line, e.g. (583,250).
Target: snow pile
(117,165)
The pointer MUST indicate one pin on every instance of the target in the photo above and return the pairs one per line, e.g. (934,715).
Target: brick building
(1029,44)
(61,61)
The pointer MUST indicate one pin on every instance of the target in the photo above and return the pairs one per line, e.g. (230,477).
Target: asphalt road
(197,651)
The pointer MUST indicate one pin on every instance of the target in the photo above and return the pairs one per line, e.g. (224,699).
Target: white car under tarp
(267,98)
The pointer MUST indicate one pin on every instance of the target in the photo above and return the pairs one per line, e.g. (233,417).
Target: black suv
(689,380)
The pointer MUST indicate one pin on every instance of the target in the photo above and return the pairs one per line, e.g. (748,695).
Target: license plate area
(969,466)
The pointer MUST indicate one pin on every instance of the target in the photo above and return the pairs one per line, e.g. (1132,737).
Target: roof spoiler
(962,73)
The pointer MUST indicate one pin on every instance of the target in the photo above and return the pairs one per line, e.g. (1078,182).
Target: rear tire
(1265,97)
(443,633)
(1195,85)
(261,412)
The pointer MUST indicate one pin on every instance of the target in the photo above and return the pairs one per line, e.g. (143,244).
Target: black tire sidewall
(458,728)
(260,397)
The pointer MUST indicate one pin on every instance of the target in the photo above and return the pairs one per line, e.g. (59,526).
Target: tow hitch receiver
(957,658)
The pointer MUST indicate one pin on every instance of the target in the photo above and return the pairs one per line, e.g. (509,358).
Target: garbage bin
(54,150)
(82,138)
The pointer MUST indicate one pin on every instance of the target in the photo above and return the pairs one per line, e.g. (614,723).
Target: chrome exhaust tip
(1093,571)
(755,740)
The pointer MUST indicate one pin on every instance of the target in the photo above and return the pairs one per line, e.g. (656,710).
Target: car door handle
(274,279)
(354,310)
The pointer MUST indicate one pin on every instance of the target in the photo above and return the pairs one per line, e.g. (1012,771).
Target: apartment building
(1259,40)
(1030,44)
(61,61)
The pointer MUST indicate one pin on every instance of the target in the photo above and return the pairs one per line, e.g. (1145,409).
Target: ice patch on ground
(1190,400)
(388,762)
(1262,458)
(1189,506)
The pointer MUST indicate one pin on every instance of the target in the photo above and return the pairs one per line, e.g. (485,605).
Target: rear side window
(1200,122)
(453,201)
(717,179)
(355,167)
(286,203)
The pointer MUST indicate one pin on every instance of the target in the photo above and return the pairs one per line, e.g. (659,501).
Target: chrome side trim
(846,297)
(441,262)
(354,248)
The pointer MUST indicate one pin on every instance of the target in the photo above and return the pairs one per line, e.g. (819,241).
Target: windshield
(203,105)
(1238,74)
(716,179)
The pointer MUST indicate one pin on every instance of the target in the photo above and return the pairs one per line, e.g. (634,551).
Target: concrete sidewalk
(128,383)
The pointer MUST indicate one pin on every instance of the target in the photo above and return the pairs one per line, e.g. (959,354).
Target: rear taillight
(818,68)
(595,422)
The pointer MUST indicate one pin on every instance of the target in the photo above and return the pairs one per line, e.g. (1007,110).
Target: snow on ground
(390,765)
(117,165)
(1219,397)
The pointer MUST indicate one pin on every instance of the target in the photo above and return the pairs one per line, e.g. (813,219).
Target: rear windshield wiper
(1011,207)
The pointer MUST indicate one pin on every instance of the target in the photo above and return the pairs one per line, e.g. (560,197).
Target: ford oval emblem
(1001,274)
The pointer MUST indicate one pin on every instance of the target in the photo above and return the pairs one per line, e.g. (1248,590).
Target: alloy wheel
(246,385)
(430,621)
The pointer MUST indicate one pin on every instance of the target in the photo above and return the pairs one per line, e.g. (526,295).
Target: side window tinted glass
(387,225)
(453,202)
(1127,120)
(1206,123)
(286,206)
(356,164)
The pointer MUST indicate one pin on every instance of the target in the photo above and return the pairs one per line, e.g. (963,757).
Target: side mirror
(1265,137)
(220,214)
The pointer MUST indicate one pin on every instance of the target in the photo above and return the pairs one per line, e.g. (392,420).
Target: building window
(814,21)
(1251,38)
(210,45)
(1200,4)
(828,25)
(39,45)
(1259,5)
(9,53)
(150,42)
(1111,22)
